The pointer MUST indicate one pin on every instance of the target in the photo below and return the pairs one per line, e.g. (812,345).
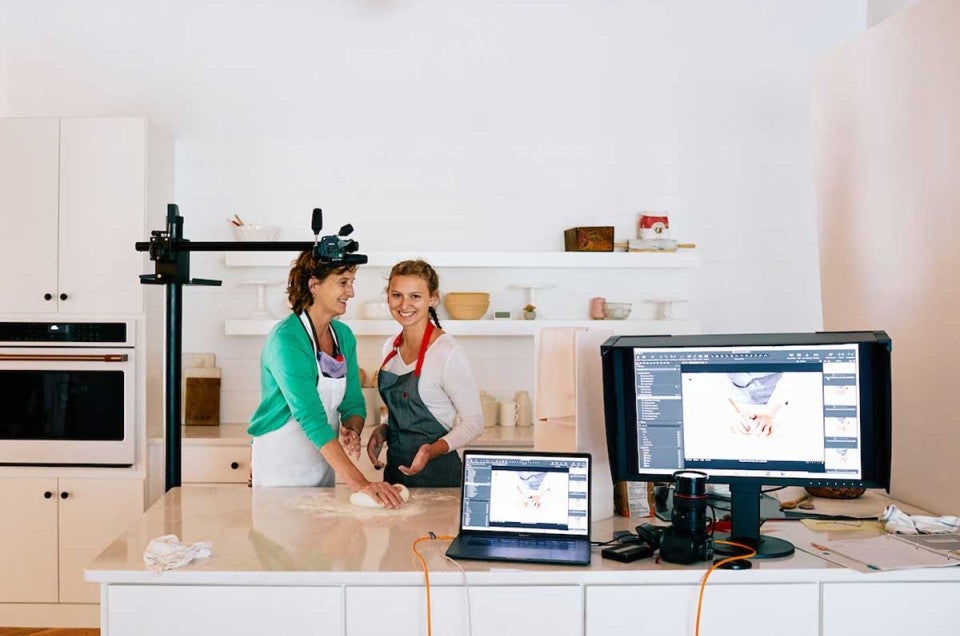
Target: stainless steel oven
(67,393)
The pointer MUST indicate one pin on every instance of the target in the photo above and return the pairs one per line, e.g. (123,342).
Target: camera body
(679,547)
(335,249)
(686,540)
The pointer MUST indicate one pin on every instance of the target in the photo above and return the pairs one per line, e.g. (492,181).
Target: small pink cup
(598,307)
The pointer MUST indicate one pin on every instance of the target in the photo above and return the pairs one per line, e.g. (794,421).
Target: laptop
(524,506)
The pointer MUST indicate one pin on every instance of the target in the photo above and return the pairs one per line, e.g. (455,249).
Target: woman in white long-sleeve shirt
(428,386)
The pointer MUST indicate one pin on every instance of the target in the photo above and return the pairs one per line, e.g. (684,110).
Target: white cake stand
(532,291)
(665,306)
(261,311)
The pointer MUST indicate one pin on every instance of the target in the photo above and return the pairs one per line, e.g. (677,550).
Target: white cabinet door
(28,540)
(102,199)
(92,514)
(493,611)
(744,610)
(153,610)
(29,175)
(893,608)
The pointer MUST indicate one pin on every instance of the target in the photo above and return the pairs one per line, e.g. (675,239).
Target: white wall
(887,133)
(880,10)
(466,125)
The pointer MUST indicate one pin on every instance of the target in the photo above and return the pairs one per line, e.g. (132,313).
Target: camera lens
(689,514)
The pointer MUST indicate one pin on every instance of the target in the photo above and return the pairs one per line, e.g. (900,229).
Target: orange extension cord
(426,573)
(703,584)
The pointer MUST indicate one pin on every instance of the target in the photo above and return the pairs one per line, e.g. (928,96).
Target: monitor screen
(750,410)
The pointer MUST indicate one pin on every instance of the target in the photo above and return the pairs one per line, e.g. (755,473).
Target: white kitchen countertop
(235,434)
(314,536)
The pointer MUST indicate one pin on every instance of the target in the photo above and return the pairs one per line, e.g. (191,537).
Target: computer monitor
(807,409)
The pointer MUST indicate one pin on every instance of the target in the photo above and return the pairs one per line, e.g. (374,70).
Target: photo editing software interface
(760,411)
(530,494)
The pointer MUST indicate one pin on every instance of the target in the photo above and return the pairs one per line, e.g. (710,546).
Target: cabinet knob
(47,494)
(234,465)
(64,494)
(63,296)
(48,296)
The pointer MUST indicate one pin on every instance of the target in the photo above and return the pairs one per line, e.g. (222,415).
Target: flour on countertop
(324,503)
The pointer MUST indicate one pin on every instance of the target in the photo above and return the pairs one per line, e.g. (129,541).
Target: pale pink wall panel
(887,123)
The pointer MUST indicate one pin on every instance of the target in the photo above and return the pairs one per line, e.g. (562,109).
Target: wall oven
(67,393)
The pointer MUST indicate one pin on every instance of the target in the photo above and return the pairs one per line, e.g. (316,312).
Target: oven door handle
(48,357)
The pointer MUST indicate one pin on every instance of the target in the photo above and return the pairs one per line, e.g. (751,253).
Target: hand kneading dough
(364,500)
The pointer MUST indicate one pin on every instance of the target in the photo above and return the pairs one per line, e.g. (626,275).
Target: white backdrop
(446,124)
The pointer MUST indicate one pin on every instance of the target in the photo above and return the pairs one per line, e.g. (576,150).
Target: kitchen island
(305,561)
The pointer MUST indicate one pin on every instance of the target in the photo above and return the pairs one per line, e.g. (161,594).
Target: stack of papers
(877,553)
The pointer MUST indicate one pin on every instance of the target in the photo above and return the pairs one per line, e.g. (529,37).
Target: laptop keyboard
(511,542)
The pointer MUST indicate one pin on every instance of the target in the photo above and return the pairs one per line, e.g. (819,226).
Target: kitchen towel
(167,552)
(896,520)
(556,373)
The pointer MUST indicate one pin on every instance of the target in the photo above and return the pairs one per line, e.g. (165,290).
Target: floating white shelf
(488,327)
(598,260)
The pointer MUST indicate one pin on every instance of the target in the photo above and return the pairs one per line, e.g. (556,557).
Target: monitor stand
(745,527)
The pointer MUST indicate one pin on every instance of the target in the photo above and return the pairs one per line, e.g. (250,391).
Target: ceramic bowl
(375,310)
(256,232)
(466,305)
(617,311)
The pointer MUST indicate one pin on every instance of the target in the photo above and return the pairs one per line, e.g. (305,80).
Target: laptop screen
(528,493)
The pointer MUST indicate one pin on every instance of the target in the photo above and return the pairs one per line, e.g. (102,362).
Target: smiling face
(410,300)
(331,294)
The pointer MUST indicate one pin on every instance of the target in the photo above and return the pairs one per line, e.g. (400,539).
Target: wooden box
(588,239)
(202,402)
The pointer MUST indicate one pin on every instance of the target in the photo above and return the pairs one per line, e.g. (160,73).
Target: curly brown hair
(421,269)
(302,270)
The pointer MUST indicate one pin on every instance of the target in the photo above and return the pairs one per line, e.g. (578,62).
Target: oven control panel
(76,333)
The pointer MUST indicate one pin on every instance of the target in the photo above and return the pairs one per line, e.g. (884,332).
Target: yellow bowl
(466,305)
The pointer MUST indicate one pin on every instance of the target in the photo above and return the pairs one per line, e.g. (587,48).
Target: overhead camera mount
(171,254)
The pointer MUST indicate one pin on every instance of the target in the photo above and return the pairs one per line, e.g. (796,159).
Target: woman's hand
(350,435)
(350,440)
(420,461)
(423,457)
(375,446)
(381,491)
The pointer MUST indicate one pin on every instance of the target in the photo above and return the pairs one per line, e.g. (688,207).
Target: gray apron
(411,425)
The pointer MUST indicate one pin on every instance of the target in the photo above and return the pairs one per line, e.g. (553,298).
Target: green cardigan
(288,382)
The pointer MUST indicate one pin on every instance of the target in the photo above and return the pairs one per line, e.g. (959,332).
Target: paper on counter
(877,553)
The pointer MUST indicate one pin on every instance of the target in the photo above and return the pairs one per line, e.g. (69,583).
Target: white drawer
(215,464)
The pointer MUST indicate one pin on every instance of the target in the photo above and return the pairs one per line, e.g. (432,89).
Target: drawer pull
(64,494)
(234,465)
(47,494)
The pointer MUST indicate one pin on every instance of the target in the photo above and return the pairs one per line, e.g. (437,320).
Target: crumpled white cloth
(896,520)
(167,552)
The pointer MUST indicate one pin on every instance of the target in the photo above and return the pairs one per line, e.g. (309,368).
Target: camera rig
(170,253)
(335,249)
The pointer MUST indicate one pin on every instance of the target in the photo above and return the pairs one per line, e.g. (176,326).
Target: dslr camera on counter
(687,540)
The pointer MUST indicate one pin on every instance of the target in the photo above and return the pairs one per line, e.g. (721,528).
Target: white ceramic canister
(508,413)
(524,409)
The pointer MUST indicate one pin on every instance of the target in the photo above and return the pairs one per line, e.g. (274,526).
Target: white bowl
(256,232)
(617,311)
(375,310)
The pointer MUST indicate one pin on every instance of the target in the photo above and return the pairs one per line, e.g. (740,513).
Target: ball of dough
(364,500)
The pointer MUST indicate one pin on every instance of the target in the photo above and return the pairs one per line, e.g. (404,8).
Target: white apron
(285,457)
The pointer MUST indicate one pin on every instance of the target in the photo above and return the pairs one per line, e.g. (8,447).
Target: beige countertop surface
(314,536)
